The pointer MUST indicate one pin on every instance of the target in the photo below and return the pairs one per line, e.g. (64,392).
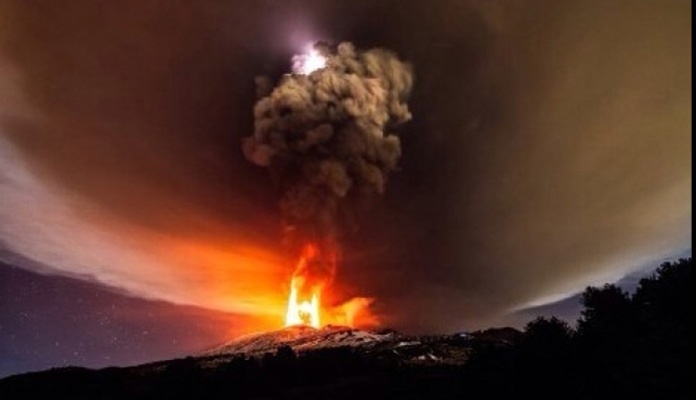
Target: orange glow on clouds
(257,283)
(219,268)
(307,288)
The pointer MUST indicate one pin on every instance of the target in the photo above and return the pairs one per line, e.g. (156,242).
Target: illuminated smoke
(305,64)
(322,133)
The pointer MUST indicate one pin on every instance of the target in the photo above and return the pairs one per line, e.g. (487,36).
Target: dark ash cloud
(323,136)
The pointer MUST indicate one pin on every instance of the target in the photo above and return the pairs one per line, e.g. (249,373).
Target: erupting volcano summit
(321,132)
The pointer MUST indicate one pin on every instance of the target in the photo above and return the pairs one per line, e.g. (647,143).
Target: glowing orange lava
(313,275)
(302,312)
(304,282)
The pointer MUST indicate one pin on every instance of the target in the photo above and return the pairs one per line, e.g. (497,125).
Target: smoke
(326,138)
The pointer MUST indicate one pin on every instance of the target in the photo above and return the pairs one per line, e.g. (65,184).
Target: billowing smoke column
(323,133)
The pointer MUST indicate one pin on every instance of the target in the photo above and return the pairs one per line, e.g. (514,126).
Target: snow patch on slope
(301,338)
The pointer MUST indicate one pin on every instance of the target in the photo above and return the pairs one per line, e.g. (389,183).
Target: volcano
(303,338)
(382,344)
(299,361)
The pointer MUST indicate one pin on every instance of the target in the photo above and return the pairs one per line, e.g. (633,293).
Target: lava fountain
(313,273)
(302,312)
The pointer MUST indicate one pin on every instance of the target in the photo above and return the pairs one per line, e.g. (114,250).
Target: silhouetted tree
(638,346)
(543,358)
(551,333)
(665,303)
(665,297)
(608,312)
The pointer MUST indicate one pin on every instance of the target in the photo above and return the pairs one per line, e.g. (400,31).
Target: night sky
(550,149)
(48,321)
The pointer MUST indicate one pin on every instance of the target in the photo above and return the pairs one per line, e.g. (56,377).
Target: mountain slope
(303,338)
(332,362)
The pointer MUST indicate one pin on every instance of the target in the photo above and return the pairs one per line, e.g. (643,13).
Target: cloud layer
(550,149)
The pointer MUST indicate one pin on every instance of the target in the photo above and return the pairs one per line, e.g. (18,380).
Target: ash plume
(326,137)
